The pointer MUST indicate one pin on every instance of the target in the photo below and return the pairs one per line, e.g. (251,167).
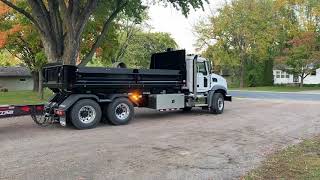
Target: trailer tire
(217,104)
(85,114)
(120,111)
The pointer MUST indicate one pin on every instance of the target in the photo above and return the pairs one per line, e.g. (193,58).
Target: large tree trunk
(40,85)
(242,73)
(301,82)
(35,77)
(71,48)
(50,48)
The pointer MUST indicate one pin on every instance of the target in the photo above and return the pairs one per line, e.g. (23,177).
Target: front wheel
(217,106)
(120,111)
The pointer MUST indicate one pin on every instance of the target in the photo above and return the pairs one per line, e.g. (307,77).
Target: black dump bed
(116,80)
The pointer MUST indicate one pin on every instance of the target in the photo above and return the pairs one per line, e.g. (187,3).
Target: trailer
(84,96)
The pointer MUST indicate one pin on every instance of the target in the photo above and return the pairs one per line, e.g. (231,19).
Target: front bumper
(228,98)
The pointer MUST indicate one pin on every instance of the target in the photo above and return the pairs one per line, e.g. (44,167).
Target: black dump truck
(86,95)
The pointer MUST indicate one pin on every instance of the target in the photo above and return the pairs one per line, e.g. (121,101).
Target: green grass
(278,88)
(23,97)
(300,161)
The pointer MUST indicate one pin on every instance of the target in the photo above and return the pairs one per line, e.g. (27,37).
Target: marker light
(135,97)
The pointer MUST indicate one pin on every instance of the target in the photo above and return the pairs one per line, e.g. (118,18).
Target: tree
(242,32)
(61,23)
(6,59)
(303,57)
(20,39)
(143,44)
(136,51)
(300,52)
(118,39)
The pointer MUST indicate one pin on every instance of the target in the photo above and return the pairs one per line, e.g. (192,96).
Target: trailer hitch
(42,119)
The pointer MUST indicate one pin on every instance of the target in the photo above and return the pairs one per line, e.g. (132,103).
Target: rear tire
(120,111)
(85,114)
(217,106)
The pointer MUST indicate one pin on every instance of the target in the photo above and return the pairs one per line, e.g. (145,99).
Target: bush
(4,90)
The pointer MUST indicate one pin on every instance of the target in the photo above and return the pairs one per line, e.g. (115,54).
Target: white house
(15,78)
(281,77)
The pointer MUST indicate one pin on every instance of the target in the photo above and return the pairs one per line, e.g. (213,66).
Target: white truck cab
(200,70)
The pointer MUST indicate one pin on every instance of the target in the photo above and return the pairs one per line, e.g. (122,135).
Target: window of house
(277,74)
(22,79)
(295,79)
(283,74)
(314,73)
(287,76)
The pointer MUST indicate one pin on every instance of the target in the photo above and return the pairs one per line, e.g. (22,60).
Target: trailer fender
(73,98)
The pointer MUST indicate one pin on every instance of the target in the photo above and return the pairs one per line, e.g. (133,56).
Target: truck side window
(201,66)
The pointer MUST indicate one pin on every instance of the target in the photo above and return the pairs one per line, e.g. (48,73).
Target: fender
(73,98)
(111,97)
(218,88)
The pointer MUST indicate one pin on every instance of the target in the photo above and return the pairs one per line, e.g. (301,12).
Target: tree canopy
(247,35)
(61,23)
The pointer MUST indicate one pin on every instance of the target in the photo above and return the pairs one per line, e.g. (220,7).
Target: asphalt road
(158,145)
(298,96)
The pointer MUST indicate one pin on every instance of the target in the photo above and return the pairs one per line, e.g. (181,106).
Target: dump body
(115,80)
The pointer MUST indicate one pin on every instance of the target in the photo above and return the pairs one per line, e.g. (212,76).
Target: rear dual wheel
(120,111)
(85,114)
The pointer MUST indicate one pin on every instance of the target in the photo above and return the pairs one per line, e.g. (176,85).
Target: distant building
(15,78)
(281,77)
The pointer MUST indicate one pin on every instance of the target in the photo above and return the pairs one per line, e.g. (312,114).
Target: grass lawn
(300,161)
(278,88)
(22,97)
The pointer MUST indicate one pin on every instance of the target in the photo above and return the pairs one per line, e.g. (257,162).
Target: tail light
(59,112)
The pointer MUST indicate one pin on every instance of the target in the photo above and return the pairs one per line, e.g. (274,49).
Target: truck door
(203,83)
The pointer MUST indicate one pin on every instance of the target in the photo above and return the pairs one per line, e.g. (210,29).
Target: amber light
(135,97)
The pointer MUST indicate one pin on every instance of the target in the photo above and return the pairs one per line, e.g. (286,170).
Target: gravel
(158,145)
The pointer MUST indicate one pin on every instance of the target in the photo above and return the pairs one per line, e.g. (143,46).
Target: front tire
(217,106)
(85,114)
(120,111)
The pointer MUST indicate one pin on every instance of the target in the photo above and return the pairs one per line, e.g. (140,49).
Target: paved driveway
(158,145)
(298,96)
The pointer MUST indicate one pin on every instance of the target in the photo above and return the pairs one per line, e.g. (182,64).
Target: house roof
(14,72)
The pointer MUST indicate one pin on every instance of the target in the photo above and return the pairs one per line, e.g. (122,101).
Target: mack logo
(8,112)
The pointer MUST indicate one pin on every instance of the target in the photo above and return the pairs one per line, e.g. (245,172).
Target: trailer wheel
(85,114)
(120,111)
(217,104)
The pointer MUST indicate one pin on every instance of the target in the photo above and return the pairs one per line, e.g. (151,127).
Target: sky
(168,19)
